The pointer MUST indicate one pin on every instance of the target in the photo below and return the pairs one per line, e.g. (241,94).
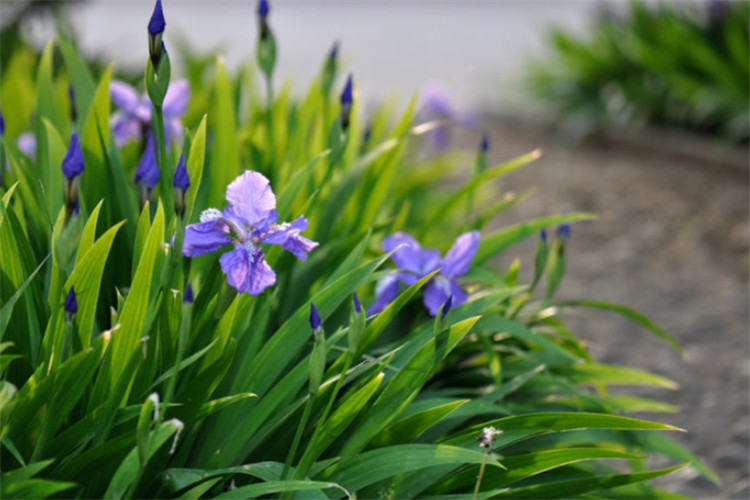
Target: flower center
(210,214)
(250,246)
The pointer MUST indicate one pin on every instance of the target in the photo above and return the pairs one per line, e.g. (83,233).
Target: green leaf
(82,81)
(384,318)
(372,466)
(519,427)
(408,429)
(44,402)
(497,324)
(224,159)
(597,374)
(256,490)
(7,309)
(413,371)
(579,486)
(94,135)
(628,313)
(494,243)
(631,404)
(134,312)
(24,473)
(521,467)
(88,235)
(295,185)
(87,278)
(128,471)
(334,426)
(457,199)
(195,161)
(211,407)
(33,488)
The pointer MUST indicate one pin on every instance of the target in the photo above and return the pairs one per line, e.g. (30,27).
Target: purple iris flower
(27,144)
(437,105)
(249,220)
(134,115)
(414,263)
(148,172)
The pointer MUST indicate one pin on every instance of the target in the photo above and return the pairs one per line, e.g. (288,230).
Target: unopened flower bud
(72,168)
(155,32)
(188,297)
(315,322)
(563,231)
(346,103)
(181,183)
(484,146)
(71,305)
(263,10)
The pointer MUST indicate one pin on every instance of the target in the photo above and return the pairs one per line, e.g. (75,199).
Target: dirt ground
(671,241)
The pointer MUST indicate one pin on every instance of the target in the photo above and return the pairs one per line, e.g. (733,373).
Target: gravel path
(671,241)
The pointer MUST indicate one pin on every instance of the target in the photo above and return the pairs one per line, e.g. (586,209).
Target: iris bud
(181,183)
(72,168)
(71,305)
(346,103)
(155,32)
(318,355)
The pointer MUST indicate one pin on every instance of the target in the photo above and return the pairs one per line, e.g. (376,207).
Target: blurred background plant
(681,64)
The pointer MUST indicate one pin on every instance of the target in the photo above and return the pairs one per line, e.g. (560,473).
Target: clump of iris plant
(133,120)
(249,220)
(414,263)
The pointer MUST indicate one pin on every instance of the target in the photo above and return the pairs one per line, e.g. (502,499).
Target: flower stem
(165,177)
(481,473)
(269,126)
(297,436)
(307,459)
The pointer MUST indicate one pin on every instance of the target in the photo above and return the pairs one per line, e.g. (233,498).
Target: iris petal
(385,291)
(247,271)
(458,259)
(176,99)
(205,237)
(124,128)
(409,256)
(288,236)
(124,96)
(438,291)
(251,197)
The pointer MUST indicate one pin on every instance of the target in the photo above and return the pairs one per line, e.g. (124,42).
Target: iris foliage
(130,370)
